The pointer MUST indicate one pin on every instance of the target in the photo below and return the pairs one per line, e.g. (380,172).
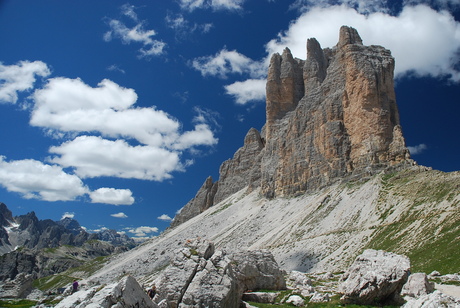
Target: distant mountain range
(28,231)
(31,248)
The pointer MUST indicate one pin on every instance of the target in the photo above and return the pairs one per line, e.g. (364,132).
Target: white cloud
(422,40)
(164,217)
(418,149)
(93,156)
(192,5)
(135,34)
(201,135)
(183,27)
(442,4)
(362,6)
(247,91)
(115,68)
(19,77)
(71,105)
(112,196)
(128,10)
(119,215)
(142,231)
(68,215)
(36,180)
(228,62)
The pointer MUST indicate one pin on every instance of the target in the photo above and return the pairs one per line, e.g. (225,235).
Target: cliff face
(345,124)
(329,118)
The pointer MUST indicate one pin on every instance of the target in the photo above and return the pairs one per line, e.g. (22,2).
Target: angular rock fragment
(376,277)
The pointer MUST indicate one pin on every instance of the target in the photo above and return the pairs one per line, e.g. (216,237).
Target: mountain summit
(329,118)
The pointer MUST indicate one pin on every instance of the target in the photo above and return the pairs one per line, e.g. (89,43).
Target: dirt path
(448,289)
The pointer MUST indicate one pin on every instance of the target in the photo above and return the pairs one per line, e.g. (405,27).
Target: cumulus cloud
(423,41)
(164,217)
(119,215)
(142,231)
(112,196)
(192,5)
(71,105)
(19,77)
(418,149)
(247,91)
(135,34)
(227,62)
(68,215)
(36,180)
(93,156)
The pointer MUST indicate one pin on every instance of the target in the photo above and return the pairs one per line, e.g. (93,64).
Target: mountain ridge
(329,118)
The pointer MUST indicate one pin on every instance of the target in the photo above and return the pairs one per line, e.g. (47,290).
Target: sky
(114,113)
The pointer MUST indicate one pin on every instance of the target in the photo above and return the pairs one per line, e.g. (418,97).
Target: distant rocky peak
(6,217)
(348,35)
(70,224)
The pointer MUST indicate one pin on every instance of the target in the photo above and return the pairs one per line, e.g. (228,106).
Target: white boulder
(375,277)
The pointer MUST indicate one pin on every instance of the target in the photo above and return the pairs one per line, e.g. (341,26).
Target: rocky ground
(201,276)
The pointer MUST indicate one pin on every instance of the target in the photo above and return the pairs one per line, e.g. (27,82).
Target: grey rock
(257,270)
(417,285)
(296,300)
(200,276)
(330,118)
(260,297)
(127,293)
(319,298)
(376,277)
(297,280)
(201,202)
(243,169)
(433,300)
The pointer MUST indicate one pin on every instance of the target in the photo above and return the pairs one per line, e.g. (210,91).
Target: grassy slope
(428,231)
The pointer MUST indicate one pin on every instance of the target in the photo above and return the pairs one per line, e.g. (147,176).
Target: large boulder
(200,276)
(256,270)
(127,293)
(417,285)
(432,300)
(376,277)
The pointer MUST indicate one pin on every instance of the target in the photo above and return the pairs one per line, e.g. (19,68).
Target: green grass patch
(53,282)
(23,303)
(66,278)
(221,209)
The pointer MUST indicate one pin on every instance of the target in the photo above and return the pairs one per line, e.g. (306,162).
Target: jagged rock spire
(331,117)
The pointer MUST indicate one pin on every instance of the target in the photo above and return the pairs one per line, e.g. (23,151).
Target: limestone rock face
(200,276)
(417,285)
(346,124)
(243,169)
(257,270)
(376,277)
(123,294)
(202,201)
(435,299)
(329,118)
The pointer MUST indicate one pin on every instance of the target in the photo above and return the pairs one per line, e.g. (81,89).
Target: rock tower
(330,117)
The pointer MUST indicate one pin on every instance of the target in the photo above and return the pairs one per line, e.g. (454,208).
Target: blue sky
(116,112)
